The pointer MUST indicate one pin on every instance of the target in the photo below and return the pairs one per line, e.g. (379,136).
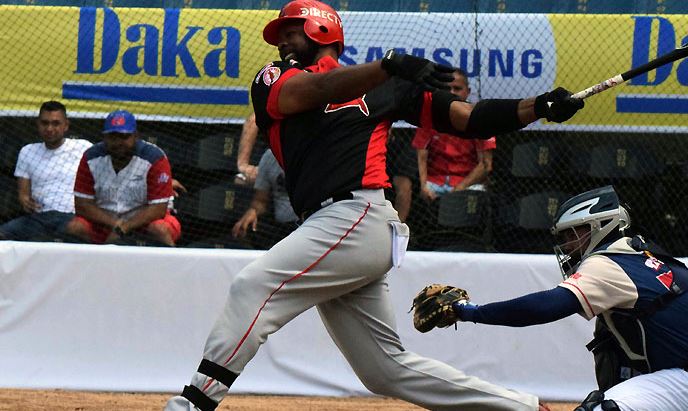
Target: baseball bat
(676,54)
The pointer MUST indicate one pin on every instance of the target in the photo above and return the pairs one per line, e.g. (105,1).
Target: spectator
(270,180)
(447,163)
(249,133)
(402,169)
(123,186)
(45,178)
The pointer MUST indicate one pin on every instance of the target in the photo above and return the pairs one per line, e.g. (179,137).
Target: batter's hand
(557,105)
(419,70)
(249,219)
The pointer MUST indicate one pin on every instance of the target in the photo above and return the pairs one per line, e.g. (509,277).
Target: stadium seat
(540,158)
(235,4)
(9,206)
(224,202)
(607,7)
(528,6)
(175,148)
(621,161)
(460,209)
(451,6)
(534,211)
(217,152)
(11,145)
(671,6)
(463,223)
(368,5)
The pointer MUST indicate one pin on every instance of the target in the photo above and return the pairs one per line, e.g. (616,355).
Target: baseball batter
(327,126)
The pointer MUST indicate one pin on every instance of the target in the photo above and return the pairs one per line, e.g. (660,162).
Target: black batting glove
(557,105)
(418,70)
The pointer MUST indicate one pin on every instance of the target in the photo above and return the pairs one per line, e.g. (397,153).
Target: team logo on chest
(359,102)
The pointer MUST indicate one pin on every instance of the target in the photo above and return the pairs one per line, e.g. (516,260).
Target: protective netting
(184,69)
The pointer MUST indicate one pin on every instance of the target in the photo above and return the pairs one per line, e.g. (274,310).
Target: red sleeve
(84,183)
(485,145)
(421,139)
(159,180)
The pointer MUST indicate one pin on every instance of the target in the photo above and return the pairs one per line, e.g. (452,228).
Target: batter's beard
(304,57)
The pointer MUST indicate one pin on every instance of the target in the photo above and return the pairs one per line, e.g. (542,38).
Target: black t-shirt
(338,147)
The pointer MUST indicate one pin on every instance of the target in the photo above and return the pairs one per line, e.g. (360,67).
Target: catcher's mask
(585,222)
(321,23)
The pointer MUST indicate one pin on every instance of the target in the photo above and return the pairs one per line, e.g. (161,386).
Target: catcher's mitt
(432,306)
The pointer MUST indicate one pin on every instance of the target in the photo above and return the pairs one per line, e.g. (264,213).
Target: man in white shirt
(45,178)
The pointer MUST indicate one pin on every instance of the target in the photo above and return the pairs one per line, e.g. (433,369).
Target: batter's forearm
(347,83)
(526,111)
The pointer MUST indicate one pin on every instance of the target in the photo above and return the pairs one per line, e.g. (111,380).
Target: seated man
(270,180)
(123,185)
(447,163)
(45,178)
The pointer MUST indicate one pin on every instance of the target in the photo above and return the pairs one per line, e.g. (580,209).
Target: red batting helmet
(321,23)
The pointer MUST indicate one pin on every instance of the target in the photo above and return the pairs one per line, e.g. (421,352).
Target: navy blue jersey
(623,279)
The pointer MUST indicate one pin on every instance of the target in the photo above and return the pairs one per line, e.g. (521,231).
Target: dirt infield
(57,400)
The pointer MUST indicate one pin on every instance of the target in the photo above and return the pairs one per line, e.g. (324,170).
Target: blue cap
(120,121)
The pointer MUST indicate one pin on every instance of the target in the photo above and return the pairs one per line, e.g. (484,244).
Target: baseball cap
(120,121)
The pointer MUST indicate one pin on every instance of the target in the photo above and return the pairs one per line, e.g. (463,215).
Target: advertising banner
(197,64)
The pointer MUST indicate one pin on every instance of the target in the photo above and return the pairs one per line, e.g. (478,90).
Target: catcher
(634,288)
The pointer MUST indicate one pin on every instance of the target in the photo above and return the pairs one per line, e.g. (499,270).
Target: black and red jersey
(335,148)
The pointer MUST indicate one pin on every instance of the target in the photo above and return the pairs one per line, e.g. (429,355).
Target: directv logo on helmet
(120,121)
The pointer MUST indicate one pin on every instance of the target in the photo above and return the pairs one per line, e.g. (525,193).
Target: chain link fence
(184,68)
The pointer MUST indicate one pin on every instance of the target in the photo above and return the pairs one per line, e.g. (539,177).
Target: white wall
(118,318)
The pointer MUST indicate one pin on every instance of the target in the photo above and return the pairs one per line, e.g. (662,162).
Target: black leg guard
(198,398)
(591,401)
(217,372)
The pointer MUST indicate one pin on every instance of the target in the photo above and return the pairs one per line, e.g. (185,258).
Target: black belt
(348,195)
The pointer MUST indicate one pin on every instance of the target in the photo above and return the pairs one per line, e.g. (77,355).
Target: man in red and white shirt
(447,163)
(123,185)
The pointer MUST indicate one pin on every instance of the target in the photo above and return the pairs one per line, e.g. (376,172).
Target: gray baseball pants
(337,261)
